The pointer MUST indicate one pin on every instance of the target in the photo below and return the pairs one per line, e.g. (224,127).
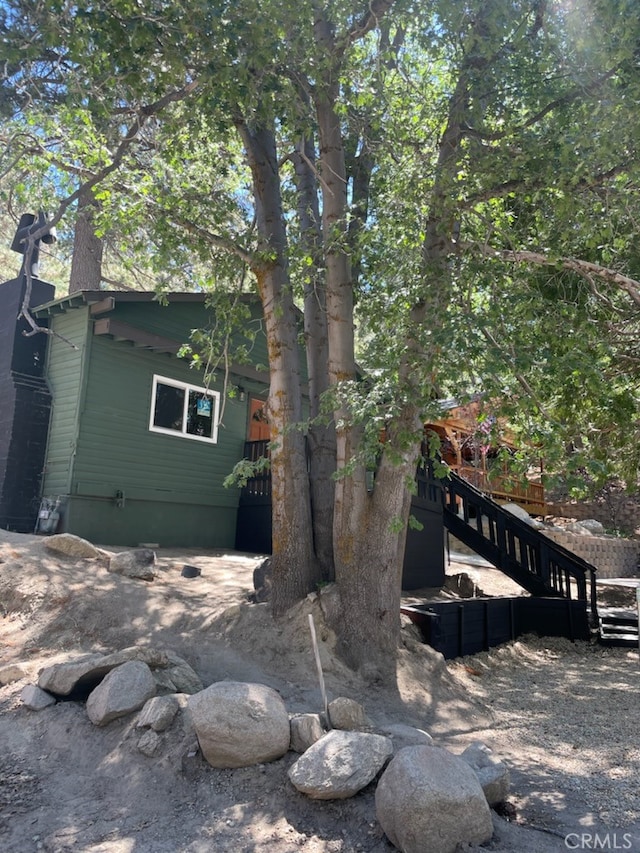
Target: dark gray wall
(25,405)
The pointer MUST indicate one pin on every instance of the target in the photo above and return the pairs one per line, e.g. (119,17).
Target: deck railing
(502,487)
(538,564)
(260,484)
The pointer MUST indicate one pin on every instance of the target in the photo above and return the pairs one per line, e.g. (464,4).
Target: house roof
(102,302)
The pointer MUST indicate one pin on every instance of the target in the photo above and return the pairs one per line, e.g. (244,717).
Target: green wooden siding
(168,525)
(178,319)
(123,483)
(116,451)
(65,367)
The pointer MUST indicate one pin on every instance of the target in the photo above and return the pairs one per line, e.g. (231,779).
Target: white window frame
(186,387)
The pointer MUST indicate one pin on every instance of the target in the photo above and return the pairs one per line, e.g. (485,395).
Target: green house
(139,442)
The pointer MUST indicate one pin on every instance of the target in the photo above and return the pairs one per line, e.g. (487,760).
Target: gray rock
(594,527)
(158,713)
(36,699)
(149,743)
(62,678)
(69,545)
(11,672)
(429,799)
(402,736)
(492,774)
(518,511)
(173,674)
(306,729)
(262,580)
(139,564)
(347,715)
(578,529)
(239,724)
(340,764)
(178,676)
(124,690)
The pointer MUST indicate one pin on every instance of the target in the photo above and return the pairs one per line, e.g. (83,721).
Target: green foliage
(482,128)
(244,470)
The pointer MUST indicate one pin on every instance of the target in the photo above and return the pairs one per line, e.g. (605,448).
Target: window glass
(169,408)
(184,410)
(200,414)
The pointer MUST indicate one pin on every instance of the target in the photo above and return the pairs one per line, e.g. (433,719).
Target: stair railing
(523,553)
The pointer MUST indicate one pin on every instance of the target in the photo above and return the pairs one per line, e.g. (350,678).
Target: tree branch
(568,98)
(376,10)
(586,269)
(144,113)
(216,240)
(519,376)
(515,184)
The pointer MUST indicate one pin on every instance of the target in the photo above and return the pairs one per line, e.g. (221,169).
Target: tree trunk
(368,556)
(294,568)
(351,489)
(370,585)
(86,263)
(321,436)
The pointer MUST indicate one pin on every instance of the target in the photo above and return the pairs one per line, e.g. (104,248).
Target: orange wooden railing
(503,488)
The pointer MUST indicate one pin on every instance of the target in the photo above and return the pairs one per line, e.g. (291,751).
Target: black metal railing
(523,553)
(260,484)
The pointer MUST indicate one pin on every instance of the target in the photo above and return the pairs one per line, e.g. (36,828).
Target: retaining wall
(613,558)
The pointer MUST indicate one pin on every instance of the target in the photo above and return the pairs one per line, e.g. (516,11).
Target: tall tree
(482,129)
(86,261)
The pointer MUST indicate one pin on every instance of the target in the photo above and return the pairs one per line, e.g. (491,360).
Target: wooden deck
(503,489)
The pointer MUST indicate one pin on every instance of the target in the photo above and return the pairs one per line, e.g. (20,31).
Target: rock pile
(426,797)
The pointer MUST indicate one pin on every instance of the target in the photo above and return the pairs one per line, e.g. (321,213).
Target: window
(186,410)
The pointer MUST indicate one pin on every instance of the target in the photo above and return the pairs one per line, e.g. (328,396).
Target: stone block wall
(621,514)
(613,558)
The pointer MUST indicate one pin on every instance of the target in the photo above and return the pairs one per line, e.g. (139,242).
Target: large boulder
(586,527)
(593,526)
(62,679)
(69,545)
(239,724)
(340,764)
(429,799)
(81,675)
(139,564)
(124,690)
(492,773)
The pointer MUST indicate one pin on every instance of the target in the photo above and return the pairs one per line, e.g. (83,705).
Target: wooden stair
(618,626)
(524,554)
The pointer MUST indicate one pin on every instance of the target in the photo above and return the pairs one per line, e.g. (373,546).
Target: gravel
(566,715)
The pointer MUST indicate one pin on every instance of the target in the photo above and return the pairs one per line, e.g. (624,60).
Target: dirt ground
(563,716)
